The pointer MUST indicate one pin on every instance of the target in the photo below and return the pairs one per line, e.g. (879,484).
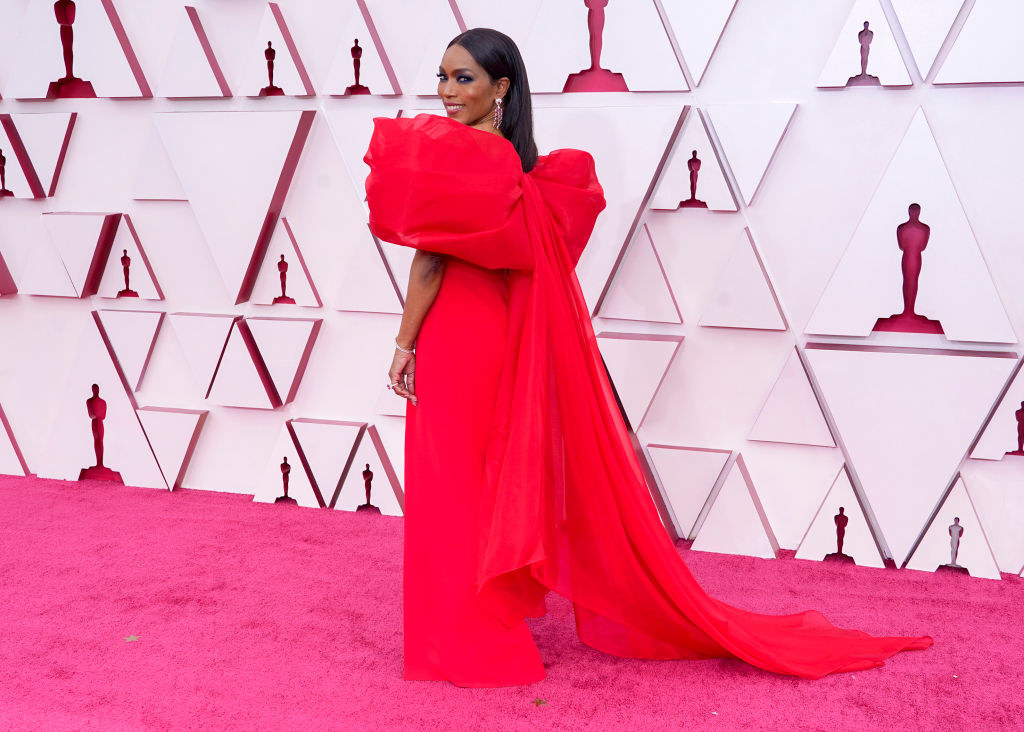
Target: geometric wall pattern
(786,336)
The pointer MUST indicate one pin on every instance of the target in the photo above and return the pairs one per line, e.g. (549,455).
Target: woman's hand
(402,375)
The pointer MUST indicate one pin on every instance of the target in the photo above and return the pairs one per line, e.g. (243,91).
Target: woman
(520,477)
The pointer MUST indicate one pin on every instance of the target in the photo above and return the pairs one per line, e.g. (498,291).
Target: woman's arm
(424,282)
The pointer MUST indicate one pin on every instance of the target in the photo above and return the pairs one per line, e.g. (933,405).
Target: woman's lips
(453,108)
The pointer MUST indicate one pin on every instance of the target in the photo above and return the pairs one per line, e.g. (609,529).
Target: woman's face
(466,90)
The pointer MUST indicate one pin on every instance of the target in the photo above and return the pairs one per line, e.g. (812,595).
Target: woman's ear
(503,85)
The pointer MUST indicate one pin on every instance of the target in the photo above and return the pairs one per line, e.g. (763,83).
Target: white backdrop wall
(739,336)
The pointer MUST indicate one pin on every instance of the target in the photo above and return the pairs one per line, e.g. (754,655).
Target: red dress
(520,478)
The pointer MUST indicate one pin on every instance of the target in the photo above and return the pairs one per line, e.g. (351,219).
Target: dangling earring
(497,113)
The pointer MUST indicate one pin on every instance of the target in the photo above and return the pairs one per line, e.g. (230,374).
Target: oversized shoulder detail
(567,166)
(431,140)
(440,186)
(568,180)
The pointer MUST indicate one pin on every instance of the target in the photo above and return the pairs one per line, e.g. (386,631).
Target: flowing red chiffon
(520,476)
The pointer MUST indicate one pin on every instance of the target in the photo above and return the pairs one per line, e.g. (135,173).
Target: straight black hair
(499,56)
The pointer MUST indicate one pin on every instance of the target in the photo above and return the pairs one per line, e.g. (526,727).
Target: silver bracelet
(404,350)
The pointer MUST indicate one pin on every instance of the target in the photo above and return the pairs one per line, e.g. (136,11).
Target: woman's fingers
(396,381)
(401,376)
(409,372)
(398,385)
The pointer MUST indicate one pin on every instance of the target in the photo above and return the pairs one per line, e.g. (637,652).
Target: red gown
(520,478)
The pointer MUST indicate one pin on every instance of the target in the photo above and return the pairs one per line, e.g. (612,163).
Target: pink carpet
(254,616)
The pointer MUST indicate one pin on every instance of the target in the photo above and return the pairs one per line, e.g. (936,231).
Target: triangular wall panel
(298,283)
(955,286)
(639,290)
(356,27)
(821,538)
(327,447)
(131,334)
(102,53)
(972,550)
(141,278)
(907,419)
(270,485)
(192,69)
(637,364)
(791,482)
(45,137)
(285,345)
(884,61)
(987,49)
(736,523)
(203,337)
(674,185)
(698,26)
(173,434)
(925,24)
(289,70)
(383,494)
(743,297)
(749,135)
(999,501)
(687,477)
(242,379)
(791,413)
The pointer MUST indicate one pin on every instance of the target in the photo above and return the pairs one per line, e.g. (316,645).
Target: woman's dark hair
(499,56)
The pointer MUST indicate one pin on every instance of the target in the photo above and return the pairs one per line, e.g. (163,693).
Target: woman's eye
(467,78)
(441,76)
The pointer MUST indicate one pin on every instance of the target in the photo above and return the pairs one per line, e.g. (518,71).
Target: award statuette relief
(594,78)
(69,86)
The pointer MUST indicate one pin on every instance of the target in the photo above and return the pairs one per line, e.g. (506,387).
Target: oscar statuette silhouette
(282,269)
(693,165)
(69,86)
(97,410)
(286,468)
(956,530)
(594,78)
(126,262)
(270,90)
(841,520)
(912,238)
(357,88)
(864,37)
(367,480)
